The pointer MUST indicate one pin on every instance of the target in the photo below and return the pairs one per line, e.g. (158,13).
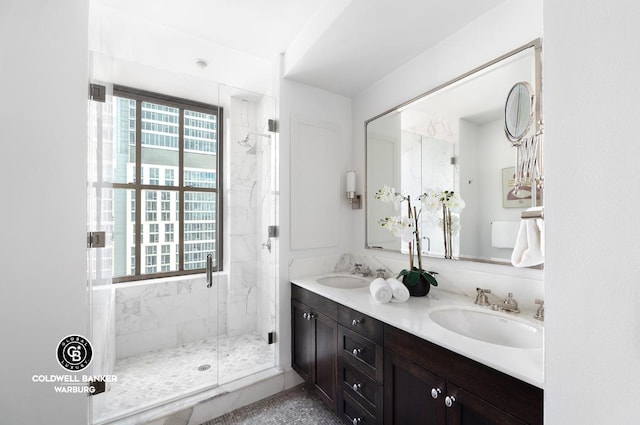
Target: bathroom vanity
(391,364)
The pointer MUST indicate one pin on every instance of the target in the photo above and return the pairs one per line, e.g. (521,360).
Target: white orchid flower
(431,200)
(454,202)
(388,195)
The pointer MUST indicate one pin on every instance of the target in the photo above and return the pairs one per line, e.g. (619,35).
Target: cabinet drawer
(316,302)
(351,411)
(361,387)
(360,352)
(361,323)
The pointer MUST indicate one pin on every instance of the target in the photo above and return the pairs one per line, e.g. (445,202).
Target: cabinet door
(464,408)
(303,336)
(412,395)
(326,358)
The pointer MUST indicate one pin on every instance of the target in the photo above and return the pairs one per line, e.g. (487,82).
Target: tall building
(157,186)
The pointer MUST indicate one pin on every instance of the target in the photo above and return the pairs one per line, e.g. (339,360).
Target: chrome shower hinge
(96,239)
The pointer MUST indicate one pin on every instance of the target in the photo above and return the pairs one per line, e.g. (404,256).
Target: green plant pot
(418,281)
(420,289)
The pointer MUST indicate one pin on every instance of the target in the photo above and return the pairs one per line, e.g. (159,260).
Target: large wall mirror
(453,139)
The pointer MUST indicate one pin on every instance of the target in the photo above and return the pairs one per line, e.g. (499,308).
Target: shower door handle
(209,270)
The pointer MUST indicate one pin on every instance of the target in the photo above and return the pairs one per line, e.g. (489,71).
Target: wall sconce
(356,200)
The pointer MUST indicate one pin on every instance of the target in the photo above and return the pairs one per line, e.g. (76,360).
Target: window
(154,235)
(168,232)
(167,179)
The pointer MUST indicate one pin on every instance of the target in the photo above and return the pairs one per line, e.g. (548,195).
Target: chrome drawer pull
(435,392)
(355,421)
(356,387)
(356,322)
(449,401)
(357,351)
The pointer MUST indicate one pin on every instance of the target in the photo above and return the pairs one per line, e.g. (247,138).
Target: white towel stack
(529,249)
(380,290)
(399,291)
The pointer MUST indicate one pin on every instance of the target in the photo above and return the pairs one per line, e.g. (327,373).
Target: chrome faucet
(381,272)
(510,305)
(358,269)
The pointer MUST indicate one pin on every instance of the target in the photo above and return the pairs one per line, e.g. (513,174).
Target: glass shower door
(247,346)
(99,219)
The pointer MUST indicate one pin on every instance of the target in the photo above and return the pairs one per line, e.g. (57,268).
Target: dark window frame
(145,96)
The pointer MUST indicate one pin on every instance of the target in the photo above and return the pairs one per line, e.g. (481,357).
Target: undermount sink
(343,281)
(489,327)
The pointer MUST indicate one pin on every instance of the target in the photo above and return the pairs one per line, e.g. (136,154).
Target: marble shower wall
(250,202)
(242,204)
(168,313)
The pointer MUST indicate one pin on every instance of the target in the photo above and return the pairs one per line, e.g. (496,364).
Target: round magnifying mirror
(518,112)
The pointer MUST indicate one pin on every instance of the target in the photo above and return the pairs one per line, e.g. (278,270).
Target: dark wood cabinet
(449,388)
(360,367)
(369,372)
(412,394)
(467,409)
(314,343)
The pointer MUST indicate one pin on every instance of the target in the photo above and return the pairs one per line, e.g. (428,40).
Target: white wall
(494,155)
(590,91)
(300,100)
(43,118)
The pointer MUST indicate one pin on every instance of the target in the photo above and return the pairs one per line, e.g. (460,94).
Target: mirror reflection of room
(453,139)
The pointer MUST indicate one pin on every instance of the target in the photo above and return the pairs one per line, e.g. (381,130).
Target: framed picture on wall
(509,198)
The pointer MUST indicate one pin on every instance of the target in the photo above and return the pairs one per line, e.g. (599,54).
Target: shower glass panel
(175,336)
(250,154)
(100,202)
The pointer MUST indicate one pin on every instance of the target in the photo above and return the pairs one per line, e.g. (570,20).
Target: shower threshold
(155,378)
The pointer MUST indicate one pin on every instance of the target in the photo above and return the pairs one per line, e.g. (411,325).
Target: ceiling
(342,46)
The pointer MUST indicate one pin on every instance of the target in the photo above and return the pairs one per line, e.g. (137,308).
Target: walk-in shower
(180,335)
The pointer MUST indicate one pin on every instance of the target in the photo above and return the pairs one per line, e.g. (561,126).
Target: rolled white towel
(380,290)
(399,292)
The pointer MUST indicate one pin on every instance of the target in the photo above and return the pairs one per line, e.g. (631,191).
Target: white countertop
(413,316)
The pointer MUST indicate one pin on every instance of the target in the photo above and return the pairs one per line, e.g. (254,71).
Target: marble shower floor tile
(155,377)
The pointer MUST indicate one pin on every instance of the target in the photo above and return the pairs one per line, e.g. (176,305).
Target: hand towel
(380,290)
(529,249)
(398,290)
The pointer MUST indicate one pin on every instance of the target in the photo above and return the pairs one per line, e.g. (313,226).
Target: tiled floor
(159,376)
(297,406)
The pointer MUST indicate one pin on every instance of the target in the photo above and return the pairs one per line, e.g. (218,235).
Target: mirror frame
(536,44)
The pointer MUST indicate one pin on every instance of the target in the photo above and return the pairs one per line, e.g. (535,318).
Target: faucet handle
(540,312)
(481,298)
(381,272)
